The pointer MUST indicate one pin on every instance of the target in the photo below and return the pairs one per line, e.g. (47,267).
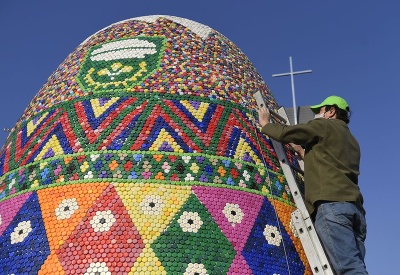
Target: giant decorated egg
(142,154)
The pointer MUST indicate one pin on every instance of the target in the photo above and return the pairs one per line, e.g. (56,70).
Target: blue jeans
(342,229)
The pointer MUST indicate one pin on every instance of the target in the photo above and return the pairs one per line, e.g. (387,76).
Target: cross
(291,73)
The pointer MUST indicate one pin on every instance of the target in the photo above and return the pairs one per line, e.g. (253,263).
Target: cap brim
(316,108)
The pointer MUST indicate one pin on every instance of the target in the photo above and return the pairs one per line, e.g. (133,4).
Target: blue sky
(352,47)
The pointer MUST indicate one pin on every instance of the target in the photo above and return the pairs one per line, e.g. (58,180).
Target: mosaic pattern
(142,155)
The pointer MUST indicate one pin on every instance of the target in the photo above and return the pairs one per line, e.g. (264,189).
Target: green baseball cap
(331,100)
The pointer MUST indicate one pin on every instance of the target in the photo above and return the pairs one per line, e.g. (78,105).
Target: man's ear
(333,111)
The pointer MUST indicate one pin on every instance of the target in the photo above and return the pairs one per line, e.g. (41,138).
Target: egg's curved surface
(141,155)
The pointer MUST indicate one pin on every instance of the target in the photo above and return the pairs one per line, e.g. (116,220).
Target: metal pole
(293,93)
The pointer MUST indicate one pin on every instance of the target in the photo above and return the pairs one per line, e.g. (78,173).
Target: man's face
(326,113)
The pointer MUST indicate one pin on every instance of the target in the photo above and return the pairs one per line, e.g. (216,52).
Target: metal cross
(291,73)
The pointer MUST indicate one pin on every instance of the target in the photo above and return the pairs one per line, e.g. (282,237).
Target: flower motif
(32,176)
(58,170)
(81,158)
(108,156)
(258,178)
(21,232)
(60,179)
(12,183)
(97,268)
(84,166)
(221,171)
(44,173)
(195,269)
(264,190)
(152,205)
(147,166)
(128,165)
(67,160)
(122,156)
(186,159)
(94,157)
(159,176)
(272,235)
(113,165)
(226,163)
(278,185)
(203,178)
(208,169)
(42,165)
(230,181)
(190,222)
(137,157)
(200,159)
(217,180)
(102,221)
(246,175)
(234,173)
(214,161)
(98,165)
(117,174)
(146,175)
(166,167)
(194,167)
(233,213)
(89,175)
(35,184)
(66,209)
(158,158)
(189,177)
(103,174)
(132,175)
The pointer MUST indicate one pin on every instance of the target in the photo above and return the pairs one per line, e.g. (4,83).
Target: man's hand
(263,116)
(298,149)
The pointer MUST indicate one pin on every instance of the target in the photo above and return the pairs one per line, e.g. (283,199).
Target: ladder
(300,217)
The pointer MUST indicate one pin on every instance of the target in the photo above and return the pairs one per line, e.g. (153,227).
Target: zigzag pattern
(110,126)
(54,137)
(161,120)
(204,128)
(28,137)
(140,124)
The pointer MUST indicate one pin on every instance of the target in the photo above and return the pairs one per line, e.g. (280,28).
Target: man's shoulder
(323,121)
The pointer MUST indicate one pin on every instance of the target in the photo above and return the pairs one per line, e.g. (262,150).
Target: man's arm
(297,134)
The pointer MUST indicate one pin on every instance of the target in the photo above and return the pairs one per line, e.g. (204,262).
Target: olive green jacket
(331,161)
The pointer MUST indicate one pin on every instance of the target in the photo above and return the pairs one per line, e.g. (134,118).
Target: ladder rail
(300,217)
(302,220)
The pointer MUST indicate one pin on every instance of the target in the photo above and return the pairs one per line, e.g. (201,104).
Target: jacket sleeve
(298,134)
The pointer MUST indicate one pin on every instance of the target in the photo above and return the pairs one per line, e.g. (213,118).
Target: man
(331,167)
